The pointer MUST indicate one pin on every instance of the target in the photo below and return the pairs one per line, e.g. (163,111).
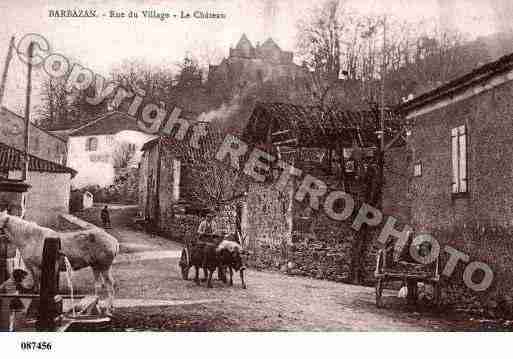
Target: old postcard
(255,166)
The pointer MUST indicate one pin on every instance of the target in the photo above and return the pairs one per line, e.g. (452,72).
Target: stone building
(92,147)
(49,191)
(322,144)
(248,67)
(42,144)
(179,184)
(460,167)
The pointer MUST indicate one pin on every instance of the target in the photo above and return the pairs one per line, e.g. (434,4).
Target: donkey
(93,248)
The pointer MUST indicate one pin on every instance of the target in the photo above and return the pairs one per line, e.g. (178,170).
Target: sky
(101,43)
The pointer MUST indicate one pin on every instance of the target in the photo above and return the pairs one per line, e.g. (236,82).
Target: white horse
(93,248)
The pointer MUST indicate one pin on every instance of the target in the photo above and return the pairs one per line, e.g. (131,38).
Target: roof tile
(12,159)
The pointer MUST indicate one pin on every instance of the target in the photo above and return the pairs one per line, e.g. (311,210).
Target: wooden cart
(195,244)
(407,271)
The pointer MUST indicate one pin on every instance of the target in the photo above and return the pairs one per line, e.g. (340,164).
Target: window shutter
(462,135)
(176,179)
(454,155)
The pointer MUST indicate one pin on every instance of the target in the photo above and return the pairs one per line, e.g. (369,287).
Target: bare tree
(122,154)
(55,104)
(214,185)
(136,75)
(319,42)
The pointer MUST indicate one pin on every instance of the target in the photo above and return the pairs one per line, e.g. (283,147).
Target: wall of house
(398,173)
(147,182)
(166,192)
(41,143)
(93,167)
(480,222)
(97,167)
(47,197)
(490,169)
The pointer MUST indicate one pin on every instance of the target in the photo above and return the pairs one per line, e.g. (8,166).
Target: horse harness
(2,229)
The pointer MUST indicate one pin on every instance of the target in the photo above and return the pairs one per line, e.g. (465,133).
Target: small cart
(406,270)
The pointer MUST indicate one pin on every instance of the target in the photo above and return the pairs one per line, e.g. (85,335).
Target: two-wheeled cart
(407,271)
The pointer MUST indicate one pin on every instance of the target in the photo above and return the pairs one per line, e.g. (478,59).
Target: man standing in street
(207,226)
(105,217)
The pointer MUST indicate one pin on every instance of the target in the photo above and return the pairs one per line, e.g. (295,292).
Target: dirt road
(152,296)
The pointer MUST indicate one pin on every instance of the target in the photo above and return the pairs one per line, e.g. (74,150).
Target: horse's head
(4,219)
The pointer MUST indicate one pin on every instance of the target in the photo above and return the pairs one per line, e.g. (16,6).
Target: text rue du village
(163,15)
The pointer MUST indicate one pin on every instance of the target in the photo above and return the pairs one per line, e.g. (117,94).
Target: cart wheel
(184,264)
(379,293)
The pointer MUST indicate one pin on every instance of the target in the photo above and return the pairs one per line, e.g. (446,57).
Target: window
(4,173)
(110,140)
(417,169)
(459,159)
(92,144)
(99,158)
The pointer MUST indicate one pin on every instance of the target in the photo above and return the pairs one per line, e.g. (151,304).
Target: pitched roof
(12,159)
(244,41)
(477,76)
(107,124)
(183,149)
(270,43)
(314,126)
(50,133)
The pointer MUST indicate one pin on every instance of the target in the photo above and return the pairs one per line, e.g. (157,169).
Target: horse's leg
(205,273)
(36,278)
(196,275)
(109,283)
(231,275)
(221,273)
(209,282)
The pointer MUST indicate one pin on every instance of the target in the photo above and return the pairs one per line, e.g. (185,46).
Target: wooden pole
(6,70)
(381,159)
(383,71)
(27,112)
(49,286)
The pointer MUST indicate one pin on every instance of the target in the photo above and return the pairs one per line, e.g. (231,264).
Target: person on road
(105,216)
(207,226)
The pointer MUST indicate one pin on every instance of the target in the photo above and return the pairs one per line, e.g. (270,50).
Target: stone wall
(285,234)
(270,215)
(181,227)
